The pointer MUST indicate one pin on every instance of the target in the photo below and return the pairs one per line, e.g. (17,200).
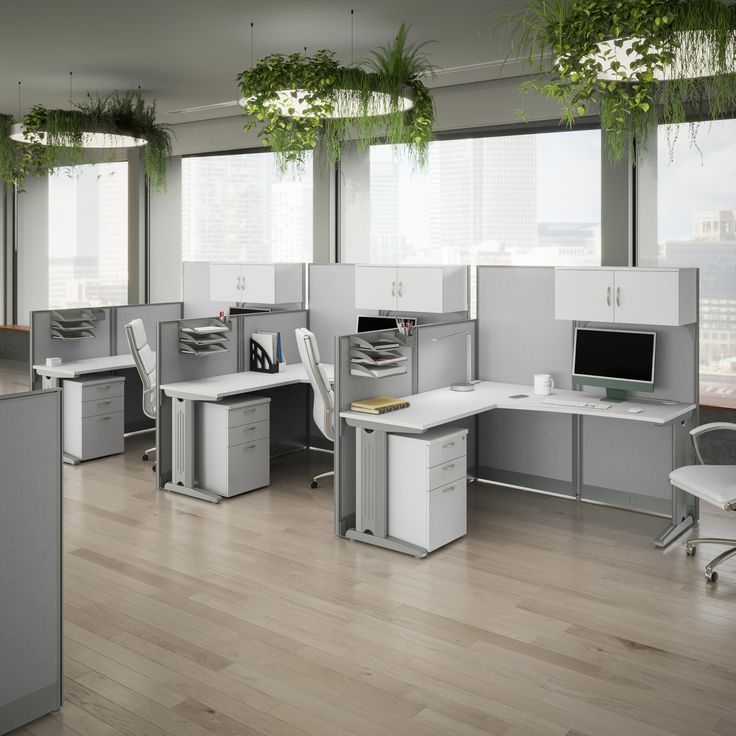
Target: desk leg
(371,494)
(52,382)
(182,453)
(685,509)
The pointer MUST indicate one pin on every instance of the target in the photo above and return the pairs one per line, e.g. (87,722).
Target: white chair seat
(715,484)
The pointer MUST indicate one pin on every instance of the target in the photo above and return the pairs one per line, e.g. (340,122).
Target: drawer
(239,415)
(447,448)
(447,515)
(440,475)
(102,435)
(99,389)
(248,433)
(248,467)
(94,407)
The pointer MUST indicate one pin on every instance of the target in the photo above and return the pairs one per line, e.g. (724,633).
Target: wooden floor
(187,619)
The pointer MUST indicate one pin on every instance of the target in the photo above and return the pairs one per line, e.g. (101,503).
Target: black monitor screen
(370,324)
(628,356)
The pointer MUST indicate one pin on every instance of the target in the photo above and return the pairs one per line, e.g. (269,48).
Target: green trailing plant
(665,43)
(324,87)
(115,114)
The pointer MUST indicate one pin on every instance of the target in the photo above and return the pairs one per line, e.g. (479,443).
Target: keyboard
(578,404)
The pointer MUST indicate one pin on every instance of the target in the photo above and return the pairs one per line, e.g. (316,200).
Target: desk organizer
(377,359)
(73,325)
(206,339)
(260,362)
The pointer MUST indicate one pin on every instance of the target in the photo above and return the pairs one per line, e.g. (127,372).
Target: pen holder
(259,360)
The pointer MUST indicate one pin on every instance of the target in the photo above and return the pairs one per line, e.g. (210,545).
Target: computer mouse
(635,411)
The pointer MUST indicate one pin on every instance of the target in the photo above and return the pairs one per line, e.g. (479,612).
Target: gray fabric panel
(30,544)
(150,315)
(44,346)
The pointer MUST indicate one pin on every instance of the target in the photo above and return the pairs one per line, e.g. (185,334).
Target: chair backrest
(323,410)
(145,362)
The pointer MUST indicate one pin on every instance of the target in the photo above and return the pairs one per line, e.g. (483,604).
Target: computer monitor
(617,360)
(371,324)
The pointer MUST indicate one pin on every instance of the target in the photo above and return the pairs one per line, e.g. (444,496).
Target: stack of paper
(271,344)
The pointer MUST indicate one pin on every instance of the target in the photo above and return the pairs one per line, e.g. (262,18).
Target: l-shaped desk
(185,394)
(444,406)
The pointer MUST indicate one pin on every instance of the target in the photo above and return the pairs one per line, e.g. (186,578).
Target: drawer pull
(102,403)
(104,388)
(249,447)
(448,490)
(249,429)
(103,419)
(448,444)
(449,467)
(249,411)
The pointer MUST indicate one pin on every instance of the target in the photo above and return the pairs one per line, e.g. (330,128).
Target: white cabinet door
(647,297)
(224,282)
(586,295)
(420,289)
(375,287)
(260,283)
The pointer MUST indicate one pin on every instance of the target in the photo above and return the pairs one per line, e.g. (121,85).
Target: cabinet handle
(448,490)
(400,284)
(103,419)
(102,403)
(249,429)
(608,296)
(618,296)
(249,411)
(448,444)
(393,288)
(449,467)
(249,447)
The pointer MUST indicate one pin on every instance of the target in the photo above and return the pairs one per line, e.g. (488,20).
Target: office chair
(323,409)
(715,484)
(145,362)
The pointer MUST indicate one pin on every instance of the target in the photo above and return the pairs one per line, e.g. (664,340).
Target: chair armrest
(704,429)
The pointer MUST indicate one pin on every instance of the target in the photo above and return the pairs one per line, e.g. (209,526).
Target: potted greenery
(641,62)
(299,100)
(56,138)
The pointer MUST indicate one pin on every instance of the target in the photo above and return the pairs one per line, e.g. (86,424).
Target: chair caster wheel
(153,468)
(313,484)
(690,551)
(711,577)
(145,456)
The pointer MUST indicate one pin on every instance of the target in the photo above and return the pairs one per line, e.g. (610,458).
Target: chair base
(147,454)
(710,569)
(314,482)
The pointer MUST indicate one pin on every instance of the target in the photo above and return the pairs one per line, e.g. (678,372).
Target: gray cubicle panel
(349,388)
(30,557)
(173,366)
(519,336)
(43,345)
(195,290)
(150,314)
(332,309)
(290,409)
(641,482)
(441,359)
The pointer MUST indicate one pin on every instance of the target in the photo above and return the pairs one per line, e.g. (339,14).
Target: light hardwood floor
(187,619)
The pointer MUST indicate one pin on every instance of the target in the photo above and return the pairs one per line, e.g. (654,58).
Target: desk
(443,406)
(76,368)
(214,388)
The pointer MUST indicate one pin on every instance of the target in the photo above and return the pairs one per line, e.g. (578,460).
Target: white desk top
(215,388)
(442,406)
(83,367)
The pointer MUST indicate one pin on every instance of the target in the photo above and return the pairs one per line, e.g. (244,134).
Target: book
(378,405)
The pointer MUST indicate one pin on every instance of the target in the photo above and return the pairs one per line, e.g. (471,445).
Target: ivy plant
(638,62)
(323,87)
(115,114)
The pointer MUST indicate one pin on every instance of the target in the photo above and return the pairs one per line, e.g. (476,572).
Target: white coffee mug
(543,384)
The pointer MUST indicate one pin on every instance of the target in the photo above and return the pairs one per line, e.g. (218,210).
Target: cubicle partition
(437,356)
(149,314)
(590,458)
(30,557)
(288,412)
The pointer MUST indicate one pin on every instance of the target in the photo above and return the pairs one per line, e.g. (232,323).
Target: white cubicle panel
(195,290)
(519,336)
(30,557)
(150,314)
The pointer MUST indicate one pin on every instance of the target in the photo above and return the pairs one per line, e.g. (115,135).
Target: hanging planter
(299,100)
(640,62)
(47,139)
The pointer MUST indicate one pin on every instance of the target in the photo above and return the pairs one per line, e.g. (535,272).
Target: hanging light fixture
(98,138)
(342,103)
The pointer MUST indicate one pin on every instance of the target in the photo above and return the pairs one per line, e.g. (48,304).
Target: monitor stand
(616,395)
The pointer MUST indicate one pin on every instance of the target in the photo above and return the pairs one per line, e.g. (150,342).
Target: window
(88,235)
(530,199)
(239,207)
(696,213)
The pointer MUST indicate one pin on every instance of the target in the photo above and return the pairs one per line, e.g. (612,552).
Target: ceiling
(186,53)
